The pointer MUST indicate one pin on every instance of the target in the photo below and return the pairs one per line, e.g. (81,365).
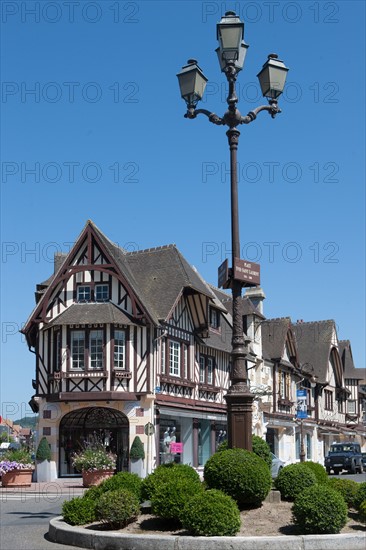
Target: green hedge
(261,448)
(360,495)
(163,473)
(239,473)
(293,479)
(346,487)
(319,471)
(320,510)
(170,497)
(211,514)
(117,508)
(79,511)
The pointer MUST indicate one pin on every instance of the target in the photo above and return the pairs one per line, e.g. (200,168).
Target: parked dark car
(344,456)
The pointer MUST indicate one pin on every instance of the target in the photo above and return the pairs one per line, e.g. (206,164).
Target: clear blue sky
(93,127)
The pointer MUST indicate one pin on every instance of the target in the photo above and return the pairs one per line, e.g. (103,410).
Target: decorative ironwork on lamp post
(231,54)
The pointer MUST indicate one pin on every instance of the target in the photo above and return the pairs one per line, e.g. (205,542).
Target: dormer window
(84,293)
(214,318)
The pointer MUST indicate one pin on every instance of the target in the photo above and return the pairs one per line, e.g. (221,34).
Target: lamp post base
(239,402)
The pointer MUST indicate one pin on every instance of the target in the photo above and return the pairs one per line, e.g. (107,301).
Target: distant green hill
(27,422)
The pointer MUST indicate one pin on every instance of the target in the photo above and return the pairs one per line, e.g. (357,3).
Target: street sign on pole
(149,429)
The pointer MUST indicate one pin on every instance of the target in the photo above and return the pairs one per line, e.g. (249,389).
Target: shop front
(188,437)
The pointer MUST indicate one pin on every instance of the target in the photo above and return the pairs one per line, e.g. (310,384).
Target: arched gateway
(107,425)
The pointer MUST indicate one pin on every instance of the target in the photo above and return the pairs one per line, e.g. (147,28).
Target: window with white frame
(101,293)
(174,358)
(351,406)
(96,349)
(86,349)
(206,369)
(78,349)
(84,293)
(119,349)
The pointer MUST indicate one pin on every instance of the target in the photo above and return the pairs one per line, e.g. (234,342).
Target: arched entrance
(108,426)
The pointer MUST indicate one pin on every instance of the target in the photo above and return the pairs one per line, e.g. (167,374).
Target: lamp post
(231,53)
(301,409)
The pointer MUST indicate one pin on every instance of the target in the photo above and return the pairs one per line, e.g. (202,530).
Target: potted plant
(46,468)
(94,462)
(16,469)
(137,455)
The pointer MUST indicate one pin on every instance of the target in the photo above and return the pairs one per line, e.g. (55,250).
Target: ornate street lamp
(231,55)
(307,372)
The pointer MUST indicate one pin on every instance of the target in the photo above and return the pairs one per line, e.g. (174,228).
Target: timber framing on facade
(126,339)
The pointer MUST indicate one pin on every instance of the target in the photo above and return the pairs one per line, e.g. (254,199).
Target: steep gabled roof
(156,278)
(315,341)
(275,333)
(350,370)
(162,274)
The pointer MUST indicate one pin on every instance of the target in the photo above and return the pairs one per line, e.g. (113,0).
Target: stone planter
(17,478)
(46,471)
(90,479)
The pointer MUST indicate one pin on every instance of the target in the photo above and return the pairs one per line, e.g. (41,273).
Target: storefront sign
(176,447)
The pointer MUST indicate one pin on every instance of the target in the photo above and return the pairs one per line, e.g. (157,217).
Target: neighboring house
(354,380)
(319,348)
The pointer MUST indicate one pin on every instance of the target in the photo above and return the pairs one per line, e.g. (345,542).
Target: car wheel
(336,472)
(353,468)
(328,471)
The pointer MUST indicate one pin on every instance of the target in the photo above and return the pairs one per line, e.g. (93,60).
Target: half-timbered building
(125,340)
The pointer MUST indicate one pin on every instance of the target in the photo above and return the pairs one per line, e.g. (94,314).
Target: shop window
(171,447)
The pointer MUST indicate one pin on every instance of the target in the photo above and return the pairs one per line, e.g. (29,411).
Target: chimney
(256,296)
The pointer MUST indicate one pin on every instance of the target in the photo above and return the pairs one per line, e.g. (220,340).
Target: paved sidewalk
(61,486)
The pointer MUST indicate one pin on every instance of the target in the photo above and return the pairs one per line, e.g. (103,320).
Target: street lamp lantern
(230,33)
(239,63)
(231,54)
(192,83)
(272,77)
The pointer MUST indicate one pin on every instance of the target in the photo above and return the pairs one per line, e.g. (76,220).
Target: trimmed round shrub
(94,492)
(79,511)
(239,473)
(360,495)
(320,510)
(362,511)
(319,471)
(169,498)
(262,449)
(123,480)
(293,479)
(162,474)
(117,508)
(211,514)
(346,487)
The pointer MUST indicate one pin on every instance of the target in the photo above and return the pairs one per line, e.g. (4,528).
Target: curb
(62,533)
